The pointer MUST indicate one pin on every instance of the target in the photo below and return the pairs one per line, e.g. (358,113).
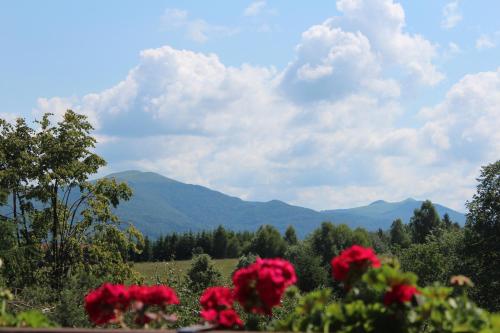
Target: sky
(324,104)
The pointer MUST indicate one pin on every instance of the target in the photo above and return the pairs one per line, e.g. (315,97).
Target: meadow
(160,271)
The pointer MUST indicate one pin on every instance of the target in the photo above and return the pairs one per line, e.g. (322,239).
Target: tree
(233,248)
(435,260)
(361,237)
(203,273)
(17,162)
(424,220)
(147,252)
(482,234)
(399,234)
(310,272)
(220,243)
(328,240)
(268,243)
(291,235)
(56,208)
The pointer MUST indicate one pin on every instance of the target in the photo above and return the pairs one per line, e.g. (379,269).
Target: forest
(62,248)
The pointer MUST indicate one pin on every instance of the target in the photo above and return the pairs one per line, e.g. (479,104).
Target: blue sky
(328,105)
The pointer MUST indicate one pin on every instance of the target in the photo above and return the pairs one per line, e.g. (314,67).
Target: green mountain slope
(381,213)
(161,205)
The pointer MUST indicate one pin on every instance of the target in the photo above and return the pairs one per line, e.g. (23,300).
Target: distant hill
(161,205)
(380,214)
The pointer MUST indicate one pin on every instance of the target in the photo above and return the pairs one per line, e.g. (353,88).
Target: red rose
(106,302)
(400,293)
(356,258)
(229,318)
(217,304)
(217,298)
(153,295)
(209,315)
(260,286)
(244,281)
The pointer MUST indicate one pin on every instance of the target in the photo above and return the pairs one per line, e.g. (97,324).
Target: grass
(151,271)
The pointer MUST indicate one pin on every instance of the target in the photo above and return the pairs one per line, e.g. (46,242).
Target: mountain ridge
(161,205)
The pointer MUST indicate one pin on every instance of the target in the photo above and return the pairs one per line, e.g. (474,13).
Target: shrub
(203,273)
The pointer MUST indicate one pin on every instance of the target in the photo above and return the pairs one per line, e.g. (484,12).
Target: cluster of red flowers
(260,286)
(217,307)
(107,303)
(354,260)
(400,293)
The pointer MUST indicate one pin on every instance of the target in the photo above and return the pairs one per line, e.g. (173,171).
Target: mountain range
(162,205)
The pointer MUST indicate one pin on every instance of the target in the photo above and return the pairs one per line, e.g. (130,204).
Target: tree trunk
(55,234)
(14,209)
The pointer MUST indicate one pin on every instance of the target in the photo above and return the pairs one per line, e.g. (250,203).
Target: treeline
(427,245)
(267,241)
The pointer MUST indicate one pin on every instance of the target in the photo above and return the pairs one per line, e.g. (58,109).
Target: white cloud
(383,22)
(453,48)
(451,15)
(255,8)
(331,64)
(197,30)
(324,132)
(467,121)
(353,52)
(485,42)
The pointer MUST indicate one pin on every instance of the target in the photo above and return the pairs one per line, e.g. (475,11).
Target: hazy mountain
(380,214)
(161,205)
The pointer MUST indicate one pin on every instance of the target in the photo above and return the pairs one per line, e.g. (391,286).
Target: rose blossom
(217,298)
(153,295)
(400,293)
(217,304)
(356,257)
(260,286)
(229,318)
(106,302)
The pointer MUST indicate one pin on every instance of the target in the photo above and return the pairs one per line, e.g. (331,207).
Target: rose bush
(260,286)
(110,303)
(217,307)
(381,298)
(353,262)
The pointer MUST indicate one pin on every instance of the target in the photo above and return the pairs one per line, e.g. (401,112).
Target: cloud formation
(255,8)
(451,15)
(485,42)
(197,30)
(324,132)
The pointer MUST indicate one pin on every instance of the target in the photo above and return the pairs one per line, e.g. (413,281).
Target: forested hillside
(162,205)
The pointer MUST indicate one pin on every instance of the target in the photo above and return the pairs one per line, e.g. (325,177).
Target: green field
(164,271)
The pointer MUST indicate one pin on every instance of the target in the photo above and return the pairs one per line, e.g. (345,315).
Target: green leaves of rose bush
(436,309)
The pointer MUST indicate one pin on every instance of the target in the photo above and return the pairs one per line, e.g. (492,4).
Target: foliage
(482,234)
(310,272)
(62,221)
(399,234)
(384,299)
(329,239)
(268,243)
(436,260)
(32,318)
(203,273)
(424,220)
(291,236)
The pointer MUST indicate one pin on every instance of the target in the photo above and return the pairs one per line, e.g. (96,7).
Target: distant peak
(125,173)
(409,199)
(142,175)
(378,202)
